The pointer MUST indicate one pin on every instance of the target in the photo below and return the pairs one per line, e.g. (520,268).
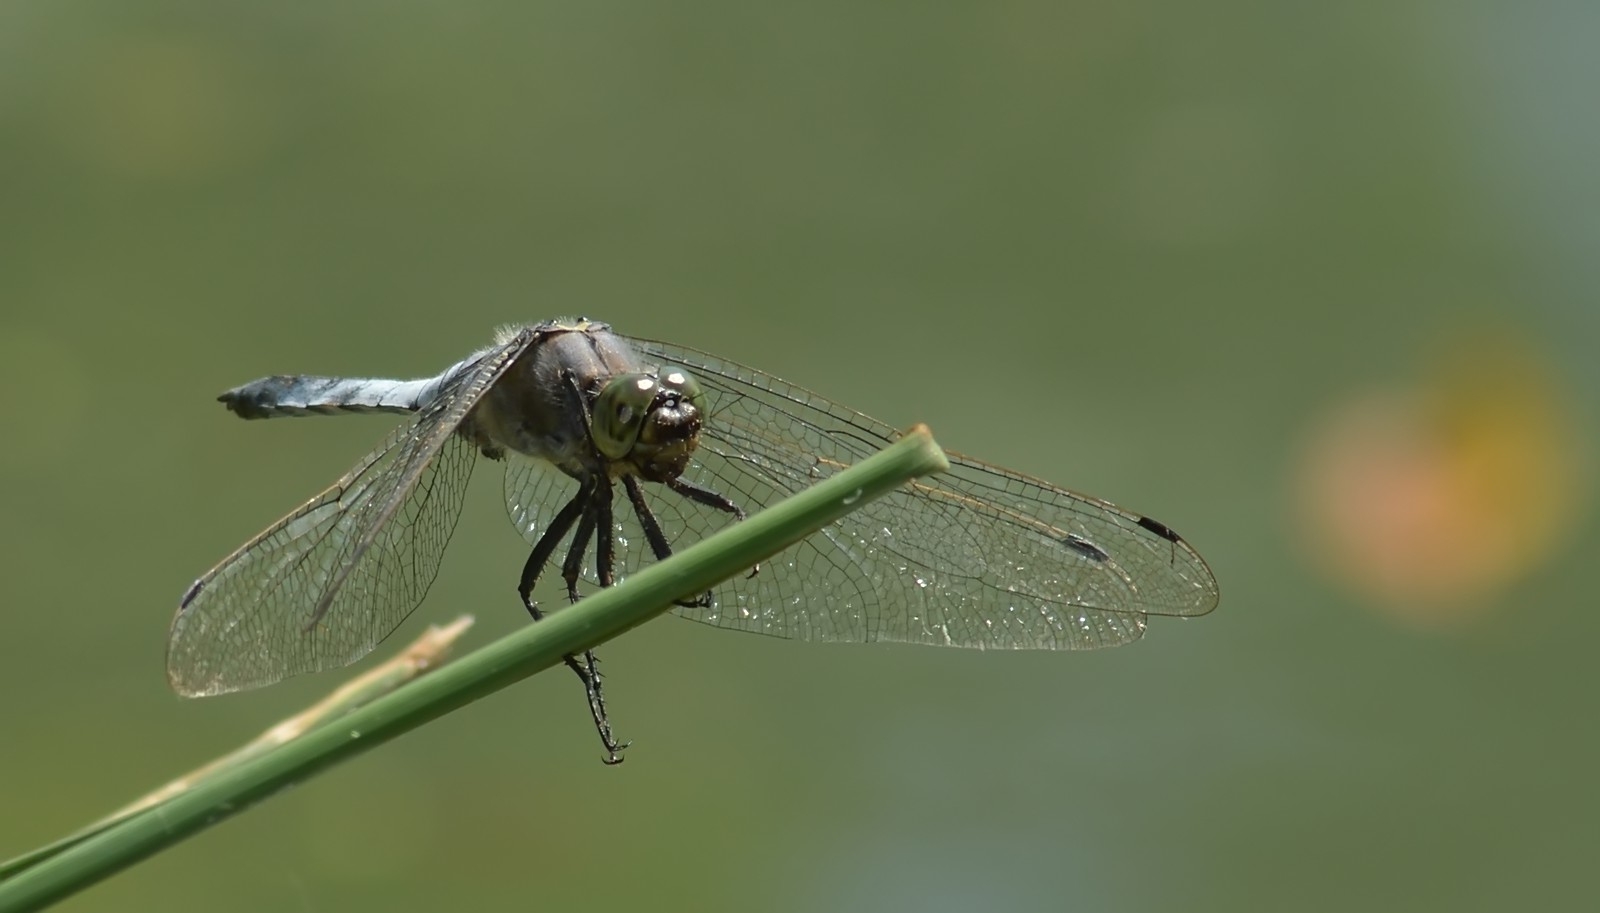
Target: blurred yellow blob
(1430,501)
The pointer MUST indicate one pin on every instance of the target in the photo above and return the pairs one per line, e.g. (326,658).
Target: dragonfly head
(650,422)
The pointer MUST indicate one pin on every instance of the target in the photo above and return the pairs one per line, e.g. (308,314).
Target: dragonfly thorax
(583,400)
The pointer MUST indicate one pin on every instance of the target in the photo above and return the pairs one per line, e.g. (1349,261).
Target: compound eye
(619,412)
(677,379)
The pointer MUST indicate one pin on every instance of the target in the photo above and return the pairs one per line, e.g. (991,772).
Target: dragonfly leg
(594,525)
(572,567)
(711,499)
(605,547)
(707,497)
(605,557)
(553,534)
(659,546)
(580,510)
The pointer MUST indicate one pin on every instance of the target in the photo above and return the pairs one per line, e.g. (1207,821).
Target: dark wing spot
(1085,548)
(1160,529)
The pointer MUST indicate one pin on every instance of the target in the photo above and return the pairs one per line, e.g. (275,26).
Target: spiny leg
(596,520)
(711,499)
(605,559)
(572,567)
(587,671)
(706,496)
(659,546)
(605,550)
(552,536)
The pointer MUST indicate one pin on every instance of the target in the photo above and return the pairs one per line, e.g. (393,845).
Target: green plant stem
(598,618)
(421,656)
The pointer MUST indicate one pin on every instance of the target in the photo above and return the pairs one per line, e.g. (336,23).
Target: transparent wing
(976,557)
(324,585)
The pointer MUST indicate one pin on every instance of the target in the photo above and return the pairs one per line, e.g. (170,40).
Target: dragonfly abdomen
(295,395)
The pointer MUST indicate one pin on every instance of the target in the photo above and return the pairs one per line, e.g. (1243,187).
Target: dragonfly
(616,450)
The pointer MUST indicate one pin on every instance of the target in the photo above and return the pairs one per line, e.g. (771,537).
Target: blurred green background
(1314,284)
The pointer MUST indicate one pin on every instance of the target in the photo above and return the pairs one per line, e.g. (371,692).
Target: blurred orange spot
(1431,501)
